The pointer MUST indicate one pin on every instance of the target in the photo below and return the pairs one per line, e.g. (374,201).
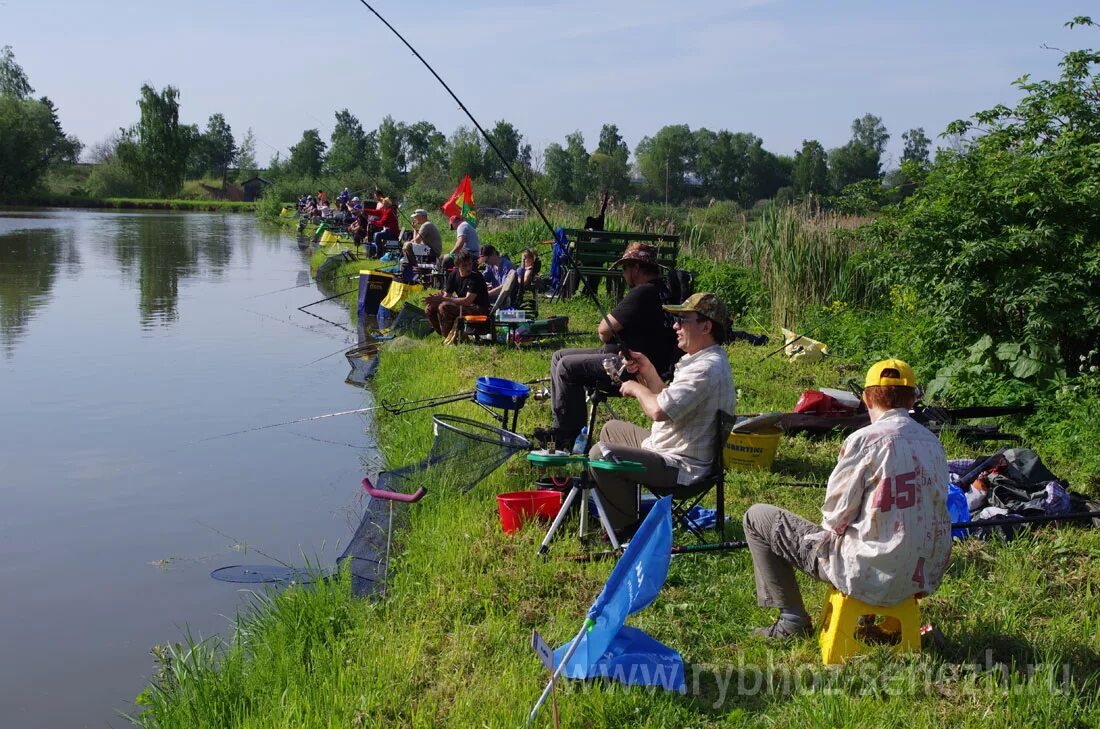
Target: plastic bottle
(578,445)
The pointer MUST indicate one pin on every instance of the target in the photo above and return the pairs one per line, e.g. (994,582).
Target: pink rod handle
(393,495)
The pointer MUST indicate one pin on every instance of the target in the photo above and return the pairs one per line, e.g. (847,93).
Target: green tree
(610,162)
(860,158)
(810,175)
(13,80)
(1000,240)
(349,145)
(510,142)
(559,173)
(426,147)
(246,156)
(218,146)
(664,161)
(579,162)
(917,146)
(155,150)
(465,153)
(391,153)
(308,155)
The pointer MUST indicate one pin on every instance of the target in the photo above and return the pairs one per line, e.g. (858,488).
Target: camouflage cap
(704,304)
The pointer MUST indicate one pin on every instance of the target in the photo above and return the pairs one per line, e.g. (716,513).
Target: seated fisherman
(638,322)
(387,226)
(426,234)
(679,447)
(465,293)
(497,267)
(465,239)
(885,533)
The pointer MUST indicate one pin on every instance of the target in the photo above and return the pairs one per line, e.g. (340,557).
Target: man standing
(465,293)
(497,267)
(679,447)
(426,234)
(885,533)
(638,322)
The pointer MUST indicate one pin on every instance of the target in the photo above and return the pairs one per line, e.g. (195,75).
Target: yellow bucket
(751,451)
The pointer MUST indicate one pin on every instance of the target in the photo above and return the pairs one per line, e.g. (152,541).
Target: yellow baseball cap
(905,377)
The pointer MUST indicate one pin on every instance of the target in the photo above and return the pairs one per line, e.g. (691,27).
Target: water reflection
(30,260)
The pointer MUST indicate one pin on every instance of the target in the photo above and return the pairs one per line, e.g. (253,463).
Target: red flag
(462,202)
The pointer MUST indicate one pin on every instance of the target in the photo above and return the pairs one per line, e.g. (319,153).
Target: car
(487,213)
(514,214)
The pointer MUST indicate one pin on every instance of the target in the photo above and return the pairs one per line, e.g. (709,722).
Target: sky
(784,70)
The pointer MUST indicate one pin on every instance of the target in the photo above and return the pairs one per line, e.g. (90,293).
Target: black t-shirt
(472,284)
(646,328)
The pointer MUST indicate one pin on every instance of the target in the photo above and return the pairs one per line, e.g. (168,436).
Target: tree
(579,163)
(156,149)
(426,147)
(559,173)
(466,154)
(391,153)
(1000,239)
(510,142)
(665,159)
(810,175)
(349,145)
(308,155)
(246,156)
(917,146)
(13,80)
(860,158)
(219,147)
(610,163)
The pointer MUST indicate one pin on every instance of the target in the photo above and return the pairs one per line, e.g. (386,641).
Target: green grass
(448,643)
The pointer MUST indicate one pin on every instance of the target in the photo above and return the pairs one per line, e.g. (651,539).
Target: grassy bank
(448,644)
(127,203)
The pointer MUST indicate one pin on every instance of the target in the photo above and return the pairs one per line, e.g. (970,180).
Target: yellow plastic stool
(842,612)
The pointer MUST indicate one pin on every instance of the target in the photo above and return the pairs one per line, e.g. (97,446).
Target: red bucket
(519,506)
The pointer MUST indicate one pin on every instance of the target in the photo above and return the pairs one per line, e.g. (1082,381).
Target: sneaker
(782,630)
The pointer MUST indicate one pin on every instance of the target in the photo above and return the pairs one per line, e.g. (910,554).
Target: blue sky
(785,71)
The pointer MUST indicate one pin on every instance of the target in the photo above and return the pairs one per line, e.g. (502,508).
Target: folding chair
(483,324)
(423,262)
(684,498)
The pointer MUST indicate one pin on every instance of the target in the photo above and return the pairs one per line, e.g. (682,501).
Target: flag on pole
(610,649)
(462,202)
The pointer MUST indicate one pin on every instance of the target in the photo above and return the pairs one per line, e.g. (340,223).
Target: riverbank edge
(126,203)
(447,643)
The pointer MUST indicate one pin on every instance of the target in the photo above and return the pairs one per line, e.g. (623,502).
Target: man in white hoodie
(885,534)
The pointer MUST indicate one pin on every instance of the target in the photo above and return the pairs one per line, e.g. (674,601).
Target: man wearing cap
(465,239)
(885,533)
(426,234)
(638,322)
(678,448)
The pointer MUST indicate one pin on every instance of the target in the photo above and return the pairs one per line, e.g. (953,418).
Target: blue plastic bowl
(497,392)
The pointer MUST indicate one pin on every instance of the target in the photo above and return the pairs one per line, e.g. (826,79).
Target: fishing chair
(481,325)
(685,498)
(424,265)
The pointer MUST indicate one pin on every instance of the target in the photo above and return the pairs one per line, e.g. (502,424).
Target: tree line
(157,154)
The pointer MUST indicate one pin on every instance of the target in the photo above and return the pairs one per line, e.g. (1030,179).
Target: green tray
(621,466)
(543,458)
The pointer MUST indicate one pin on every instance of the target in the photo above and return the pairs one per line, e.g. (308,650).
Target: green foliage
(246,157)
(27,135)
(810,175)
(466,154)
(859,198)
(214,150)
(156,149)
(917,146)
(610,163)
(739,288)
(664,161)
(112,179)
(348,151)
(307,156)
(1001,238)
(391,154)
(13,80)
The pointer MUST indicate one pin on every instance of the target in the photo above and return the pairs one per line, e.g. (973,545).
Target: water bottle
(578,445)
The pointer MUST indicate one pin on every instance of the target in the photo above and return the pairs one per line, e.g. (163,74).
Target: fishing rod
(292,422)
(570,260)
(321,301)
(291,288)
(402,407)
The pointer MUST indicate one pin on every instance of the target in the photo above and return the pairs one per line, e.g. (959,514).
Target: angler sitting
(678,448)
(497,267)
(465,293)
(465,240)
(638,323)
(387,226)
(885,534)
(426,234)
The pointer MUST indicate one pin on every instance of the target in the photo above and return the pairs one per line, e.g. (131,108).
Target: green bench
(594,251)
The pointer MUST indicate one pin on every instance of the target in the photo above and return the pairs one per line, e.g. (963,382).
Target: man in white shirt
(885,534)
(678,448)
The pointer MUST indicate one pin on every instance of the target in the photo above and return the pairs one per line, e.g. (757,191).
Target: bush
(111,179)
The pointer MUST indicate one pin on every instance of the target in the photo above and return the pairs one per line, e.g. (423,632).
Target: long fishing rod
(291,288)
(292,422)
(571,262)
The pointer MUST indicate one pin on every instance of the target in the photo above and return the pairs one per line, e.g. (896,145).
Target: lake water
(127,340)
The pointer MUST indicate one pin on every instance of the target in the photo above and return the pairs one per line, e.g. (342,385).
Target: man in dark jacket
(466,293)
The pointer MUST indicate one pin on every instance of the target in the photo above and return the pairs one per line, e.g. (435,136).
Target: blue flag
(610,649)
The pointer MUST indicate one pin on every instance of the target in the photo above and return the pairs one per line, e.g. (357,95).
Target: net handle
(393,495)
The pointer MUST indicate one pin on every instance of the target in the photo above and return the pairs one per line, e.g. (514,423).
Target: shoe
(781,630)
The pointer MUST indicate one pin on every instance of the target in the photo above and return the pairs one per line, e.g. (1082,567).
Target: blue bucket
(496,392)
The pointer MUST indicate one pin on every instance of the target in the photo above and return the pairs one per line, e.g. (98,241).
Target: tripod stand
(583,485)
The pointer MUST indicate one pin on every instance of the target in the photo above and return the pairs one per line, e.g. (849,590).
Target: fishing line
(292,422)
(570,261)
(284,321)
